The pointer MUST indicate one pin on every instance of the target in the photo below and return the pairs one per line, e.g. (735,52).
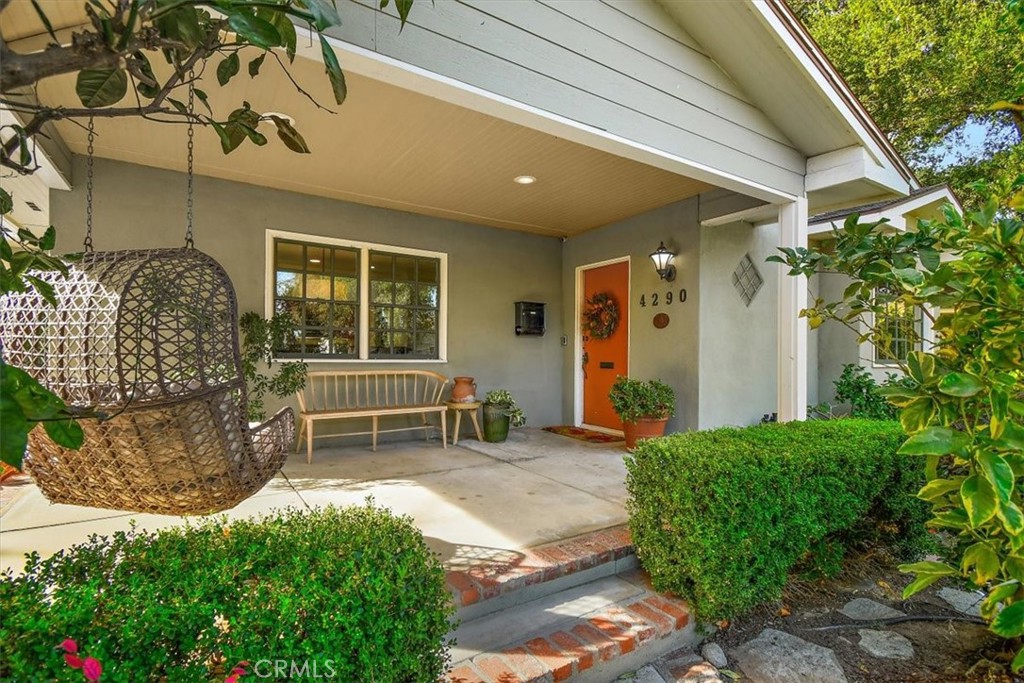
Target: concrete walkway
(474,502)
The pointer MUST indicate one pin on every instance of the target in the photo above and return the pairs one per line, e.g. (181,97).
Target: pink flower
(91,669)
(74,661)
(69,646)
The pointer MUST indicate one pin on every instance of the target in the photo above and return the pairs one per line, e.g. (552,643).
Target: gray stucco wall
(488,269)
(837,344)
(738,343)
(670,354)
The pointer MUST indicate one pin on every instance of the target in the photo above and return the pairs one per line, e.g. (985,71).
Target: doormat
(588,435)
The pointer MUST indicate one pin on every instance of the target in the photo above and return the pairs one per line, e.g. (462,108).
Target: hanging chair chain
(88,188)
(189,241)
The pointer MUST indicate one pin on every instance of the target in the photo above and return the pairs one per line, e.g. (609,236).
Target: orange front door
(605,359)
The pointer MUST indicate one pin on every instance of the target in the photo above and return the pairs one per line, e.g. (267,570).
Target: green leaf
(996,595)
(403,7)
(979,500)
(928,567)
(44,288)
(14,429)
(287,30)
(921,366)
(933,441)
(101,87)
(1012,518)
(984,560)
(921,582)
(6,201)
(259,32)
(49,239)
(937,488)
(1009,623)
(254,65)
(45,19)
(227,69)
(201,96)
(929,258)
(960,384)
(917,415)
(1015,568)
(334,73)
(291,137)
(148,90)
(998,472)
(909,275)
(67,433)
(1012,437)
(324,12)
(1018,662)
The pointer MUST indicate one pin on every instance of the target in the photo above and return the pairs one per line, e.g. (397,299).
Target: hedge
(350,594)
(722,517)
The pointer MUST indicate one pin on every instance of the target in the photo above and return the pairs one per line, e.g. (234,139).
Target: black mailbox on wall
(529,318)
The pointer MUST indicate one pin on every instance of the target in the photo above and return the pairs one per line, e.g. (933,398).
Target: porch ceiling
(386,146)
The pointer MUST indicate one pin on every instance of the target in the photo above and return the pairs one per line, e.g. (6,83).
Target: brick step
(587,634)
(487,583)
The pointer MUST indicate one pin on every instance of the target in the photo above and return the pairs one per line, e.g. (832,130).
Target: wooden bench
(341,395)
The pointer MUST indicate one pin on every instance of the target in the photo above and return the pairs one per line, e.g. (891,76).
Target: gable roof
(922,196)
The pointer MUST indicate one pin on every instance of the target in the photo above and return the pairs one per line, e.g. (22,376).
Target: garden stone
(885,644)
(715,655)
(862,609)
(778,657)
(703,672)
(646,674)
(963,602)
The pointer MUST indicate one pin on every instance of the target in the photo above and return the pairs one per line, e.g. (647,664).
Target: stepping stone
(778,657)
(715,655)
(885,644)
(862,609)
(963,602)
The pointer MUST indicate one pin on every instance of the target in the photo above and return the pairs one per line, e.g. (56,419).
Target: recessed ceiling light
(314,260)
(525,179)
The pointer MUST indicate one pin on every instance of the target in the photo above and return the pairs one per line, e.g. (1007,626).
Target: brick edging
(559,655)
(539,564)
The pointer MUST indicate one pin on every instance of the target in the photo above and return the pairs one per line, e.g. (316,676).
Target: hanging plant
(600,316)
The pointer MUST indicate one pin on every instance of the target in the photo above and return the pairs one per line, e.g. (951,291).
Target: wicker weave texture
(148,338)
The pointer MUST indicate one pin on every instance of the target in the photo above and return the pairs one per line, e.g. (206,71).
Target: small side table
(459,408)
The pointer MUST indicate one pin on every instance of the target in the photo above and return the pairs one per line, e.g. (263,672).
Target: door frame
(577,355)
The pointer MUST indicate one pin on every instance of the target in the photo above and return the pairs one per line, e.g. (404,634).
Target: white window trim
(866,349)
(364,293)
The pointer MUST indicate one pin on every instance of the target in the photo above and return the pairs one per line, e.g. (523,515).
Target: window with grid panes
(900,330)
(317,287)
(404,305)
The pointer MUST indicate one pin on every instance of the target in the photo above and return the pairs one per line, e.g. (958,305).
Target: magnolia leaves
(243,124)
(101,87)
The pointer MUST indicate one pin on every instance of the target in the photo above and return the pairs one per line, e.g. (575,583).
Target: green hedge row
(722,517)
(348,594)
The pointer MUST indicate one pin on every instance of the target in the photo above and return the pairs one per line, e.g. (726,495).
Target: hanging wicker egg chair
(149,338)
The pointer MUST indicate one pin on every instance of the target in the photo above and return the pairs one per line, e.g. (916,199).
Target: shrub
(353,591)
(722,517)
(857,387)
(634,399)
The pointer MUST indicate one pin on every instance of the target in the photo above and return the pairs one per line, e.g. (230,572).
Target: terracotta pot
(644,428)
(464,390)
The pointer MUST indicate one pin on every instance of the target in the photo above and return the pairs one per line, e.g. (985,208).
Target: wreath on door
(600,316)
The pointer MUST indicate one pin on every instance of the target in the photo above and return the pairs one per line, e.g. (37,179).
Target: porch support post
(792,370)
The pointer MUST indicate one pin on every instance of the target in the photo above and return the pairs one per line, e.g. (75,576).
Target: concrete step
(491,582)
(588,633)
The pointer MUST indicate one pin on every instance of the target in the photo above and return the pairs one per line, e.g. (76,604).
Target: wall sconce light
(662,258)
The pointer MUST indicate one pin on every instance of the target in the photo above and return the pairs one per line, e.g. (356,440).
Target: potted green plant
(501,411)
(260,337)
(644,406)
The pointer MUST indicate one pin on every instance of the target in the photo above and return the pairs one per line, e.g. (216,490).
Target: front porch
(475,502)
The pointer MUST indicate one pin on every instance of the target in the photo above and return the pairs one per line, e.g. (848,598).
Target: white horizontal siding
(623,67)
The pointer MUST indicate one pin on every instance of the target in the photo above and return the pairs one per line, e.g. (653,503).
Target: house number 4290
(668,298)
